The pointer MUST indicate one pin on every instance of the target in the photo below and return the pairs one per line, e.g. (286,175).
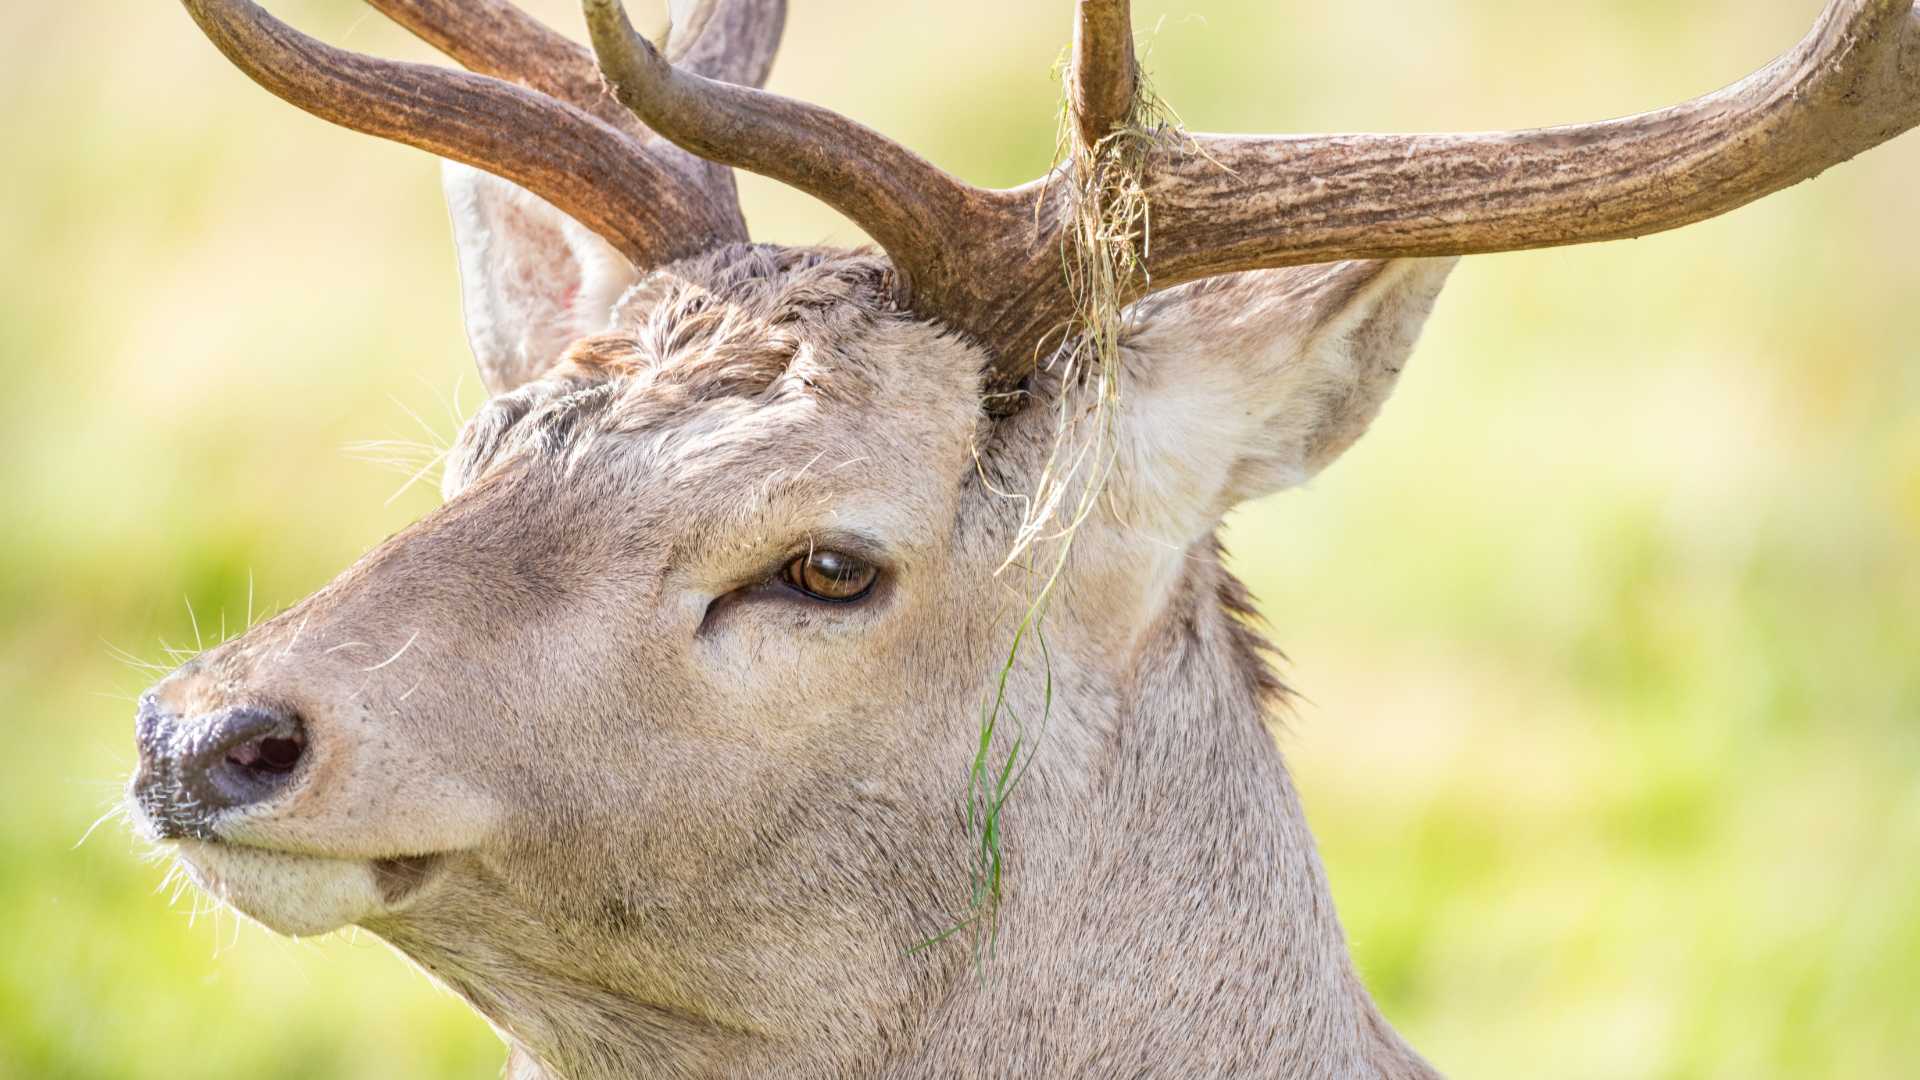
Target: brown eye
(830,575)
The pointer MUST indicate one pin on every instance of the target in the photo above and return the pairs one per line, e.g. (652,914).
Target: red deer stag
(654,741)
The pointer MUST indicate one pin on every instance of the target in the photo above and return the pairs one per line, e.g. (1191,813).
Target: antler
(1851,84)
(915,211)
(492,37)
(1105,77)
(555,133)
(988,263)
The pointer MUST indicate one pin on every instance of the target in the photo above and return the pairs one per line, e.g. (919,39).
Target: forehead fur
(720,360)
(740,320)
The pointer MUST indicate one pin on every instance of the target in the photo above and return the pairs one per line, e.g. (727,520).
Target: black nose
(191,770)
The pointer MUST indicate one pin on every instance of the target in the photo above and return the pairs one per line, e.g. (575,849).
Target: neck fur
(1183,916)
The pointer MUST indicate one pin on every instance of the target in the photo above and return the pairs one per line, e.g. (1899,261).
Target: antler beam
(608,182)
(1245,203)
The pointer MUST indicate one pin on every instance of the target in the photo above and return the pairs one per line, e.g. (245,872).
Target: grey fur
(648,833)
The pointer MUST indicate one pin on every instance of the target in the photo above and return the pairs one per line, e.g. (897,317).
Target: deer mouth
(304,895)
(401,879)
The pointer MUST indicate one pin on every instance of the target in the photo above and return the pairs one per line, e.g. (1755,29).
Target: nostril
(243,755)
(269,754)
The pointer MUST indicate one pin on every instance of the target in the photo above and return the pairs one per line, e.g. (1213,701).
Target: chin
(296,895)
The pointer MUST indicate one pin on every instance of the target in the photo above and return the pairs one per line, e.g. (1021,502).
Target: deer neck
(1182,914)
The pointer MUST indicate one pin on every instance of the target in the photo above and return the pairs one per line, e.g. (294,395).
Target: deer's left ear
(533,280)
(1244,384)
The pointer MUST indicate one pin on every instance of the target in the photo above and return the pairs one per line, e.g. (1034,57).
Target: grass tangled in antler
(1103,253)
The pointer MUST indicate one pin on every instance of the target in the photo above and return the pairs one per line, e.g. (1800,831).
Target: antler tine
(730,40)
(1104,75)
(725,40)
(607,182)
(493,37)
(933,226)
(1249,203)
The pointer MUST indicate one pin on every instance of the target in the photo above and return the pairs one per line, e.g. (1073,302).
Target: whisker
(452,406)
(129,659)
(432,435)
(116,810)
(198,644)
(399,455)
(297,631)
(459,411)
(418,475)
(810,464)
(395,656)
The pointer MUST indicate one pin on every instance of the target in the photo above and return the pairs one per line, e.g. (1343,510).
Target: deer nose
(191,770)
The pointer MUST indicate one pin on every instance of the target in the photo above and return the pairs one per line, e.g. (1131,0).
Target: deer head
(655,740)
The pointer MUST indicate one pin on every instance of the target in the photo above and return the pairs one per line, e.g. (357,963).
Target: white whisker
(810,463)
(116,810)
(395,656)
(418,475)
(297,631)
(198,644)
(130,660)
(432,435)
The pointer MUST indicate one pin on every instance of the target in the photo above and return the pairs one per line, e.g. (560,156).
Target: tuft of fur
(755,323)
(1254,653)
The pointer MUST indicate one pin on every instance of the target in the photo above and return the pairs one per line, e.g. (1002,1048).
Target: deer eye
(833,576)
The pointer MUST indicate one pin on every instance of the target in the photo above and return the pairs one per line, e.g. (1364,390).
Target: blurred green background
(1608,631)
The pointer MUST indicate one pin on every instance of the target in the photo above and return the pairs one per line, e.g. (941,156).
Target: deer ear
(1263,378)
(532,279)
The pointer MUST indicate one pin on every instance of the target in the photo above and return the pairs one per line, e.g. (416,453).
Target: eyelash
(820,573)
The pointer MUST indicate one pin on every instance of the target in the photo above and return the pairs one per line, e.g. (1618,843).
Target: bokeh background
(1609,632)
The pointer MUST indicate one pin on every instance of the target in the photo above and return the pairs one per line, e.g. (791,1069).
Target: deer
(653,741)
